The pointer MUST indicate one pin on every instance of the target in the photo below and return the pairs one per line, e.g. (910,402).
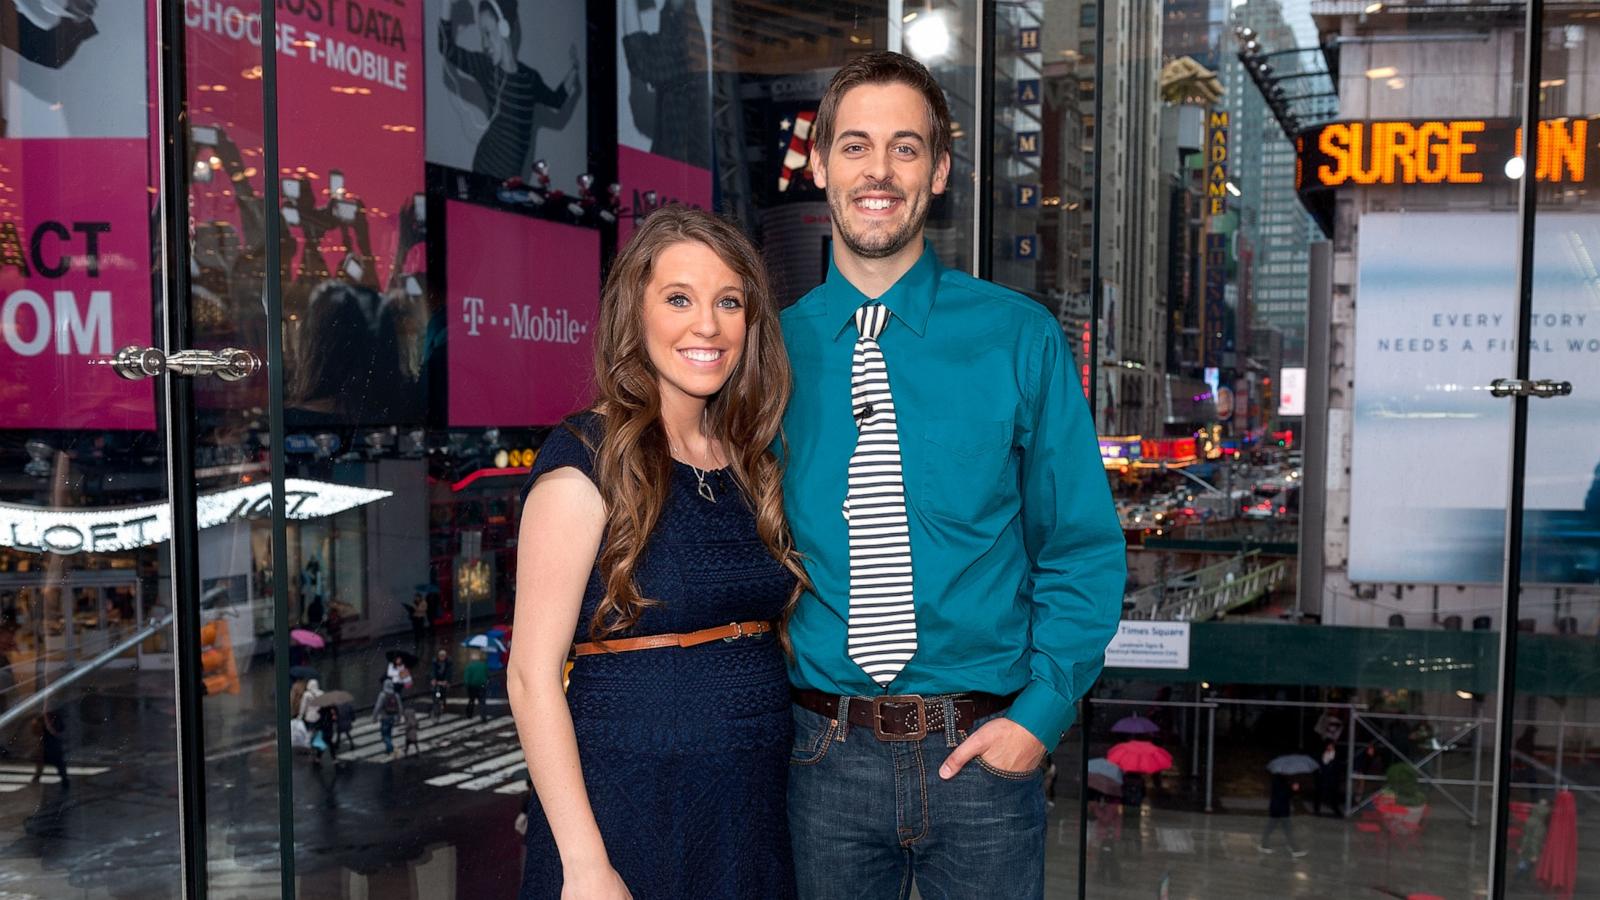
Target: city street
(369,825)
(439,823)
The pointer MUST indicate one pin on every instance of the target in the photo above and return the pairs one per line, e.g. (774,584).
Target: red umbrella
(306,638)
(1558,863)
(1139,756)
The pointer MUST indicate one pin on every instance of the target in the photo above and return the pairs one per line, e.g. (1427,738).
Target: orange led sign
(1438,151)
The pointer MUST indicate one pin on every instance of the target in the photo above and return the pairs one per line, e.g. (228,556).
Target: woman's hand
(594,884)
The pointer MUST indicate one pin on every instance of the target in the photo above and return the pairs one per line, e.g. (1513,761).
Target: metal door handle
(228,364)
(1542,387)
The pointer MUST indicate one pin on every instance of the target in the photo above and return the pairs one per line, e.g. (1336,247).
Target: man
(443,672)
(512,90)
(476,679)
(944,484)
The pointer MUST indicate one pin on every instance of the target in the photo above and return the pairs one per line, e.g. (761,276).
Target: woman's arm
(562,523)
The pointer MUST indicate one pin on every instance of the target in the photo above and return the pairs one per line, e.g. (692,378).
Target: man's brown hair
(886,67)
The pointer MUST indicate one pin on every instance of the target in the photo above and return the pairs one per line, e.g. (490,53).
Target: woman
(386,711)
(661,773)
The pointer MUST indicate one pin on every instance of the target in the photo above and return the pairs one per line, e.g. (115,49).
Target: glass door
(1549,794)
(85,523)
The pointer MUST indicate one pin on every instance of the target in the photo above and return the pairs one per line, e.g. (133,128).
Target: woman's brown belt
(730,632)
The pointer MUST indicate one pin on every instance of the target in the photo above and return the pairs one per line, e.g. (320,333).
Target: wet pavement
(438,823)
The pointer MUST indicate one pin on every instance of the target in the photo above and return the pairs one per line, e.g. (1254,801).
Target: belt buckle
(915,701)
(739,628)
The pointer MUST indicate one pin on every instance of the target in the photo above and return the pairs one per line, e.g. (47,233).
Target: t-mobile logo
(472,314)
(524,323)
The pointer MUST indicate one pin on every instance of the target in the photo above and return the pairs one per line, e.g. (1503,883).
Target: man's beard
(879,245)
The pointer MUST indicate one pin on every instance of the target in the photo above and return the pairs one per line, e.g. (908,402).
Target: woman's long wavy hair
(633,463)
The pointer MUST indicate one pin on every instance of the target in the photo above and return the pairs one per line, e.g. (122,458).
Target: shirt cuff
(1046,714)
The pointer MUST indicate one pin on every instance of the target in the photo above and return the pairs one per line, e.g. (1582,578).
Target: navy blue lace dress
(684,750)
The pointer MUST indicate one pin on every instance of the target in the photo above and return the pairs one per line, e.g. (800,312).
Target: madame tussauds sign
(111,529)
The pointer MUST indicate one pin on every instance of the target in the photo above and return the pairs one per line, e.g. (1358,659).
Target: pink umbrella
(306,638)
(1139,756)
(1558,862)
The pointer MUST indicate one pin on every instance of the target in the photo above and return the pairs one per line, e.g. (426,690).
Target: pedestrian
(333,624)
(476,679)
(419,621)
(307,707)
(297,689)
(654,524)
(386,710)
(413,745)
(443,670)
(1279,809)
(399,673)
(1369,764)
(50,728)
(1328,777)
(328,728)
(977,572)
(345,722)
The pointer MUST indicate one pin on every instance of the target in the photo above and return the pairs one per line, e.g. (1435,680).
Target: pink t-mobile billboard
(74,282)
(522,305)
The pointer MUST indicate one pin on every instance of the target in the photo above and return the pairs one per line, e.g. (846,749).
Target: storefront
(362,274)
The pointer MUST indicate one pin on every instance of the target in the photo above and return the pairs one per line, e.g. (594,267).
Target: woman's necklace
(703,489)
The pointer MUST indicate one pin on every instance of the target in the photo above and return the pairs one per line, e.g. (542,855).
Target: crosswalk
(16,776)
(477,755)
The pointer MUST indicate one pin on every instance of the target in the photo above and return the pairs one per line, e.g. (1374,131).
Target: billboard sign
(519,319)
(1434,319)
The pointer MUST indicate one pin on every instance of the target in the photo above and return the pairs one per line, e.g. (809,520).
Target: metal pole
(1093,363)
(272,290)
(983,155)
(1506,680)
(1087,705)
(1314,432)
(1561,749)
(1211,751)
(178,406)
(40,696)
(1349,757)
(1477,769)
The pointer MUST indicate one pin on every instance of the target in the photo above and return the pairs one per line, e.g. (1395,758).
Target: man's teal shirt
(1017,554)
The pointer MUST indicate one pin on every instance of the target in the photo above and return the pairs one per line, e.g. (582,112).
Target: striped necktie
(883,626)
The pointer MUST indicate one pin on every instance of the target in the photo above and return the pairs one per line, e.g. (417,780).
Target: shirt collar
(909,299)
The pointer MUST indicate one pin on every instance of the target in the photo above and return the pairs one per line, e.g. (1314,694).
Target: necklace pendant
(705,491)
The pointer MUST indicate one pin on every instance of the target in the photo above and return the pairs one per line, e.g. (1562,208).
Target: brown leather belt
(904,717)
(730,633)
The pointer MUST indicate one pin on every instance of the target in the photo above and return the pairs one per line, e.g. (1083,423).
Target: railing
(1364,726)
(1208,593)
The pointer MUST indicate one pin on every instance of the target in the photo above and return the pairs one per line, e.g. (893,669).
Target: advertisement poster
(663,106)
(350,151)
(75,255)
(1430,446)
(506,80)
(522,304)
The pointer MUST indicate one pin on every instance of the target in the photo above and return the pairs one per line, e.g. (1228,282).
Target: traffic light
(218,673)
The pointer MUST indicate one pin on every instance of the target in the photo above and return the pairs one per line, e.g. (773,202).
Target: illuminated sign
(1292,391)
(112,529)
(1027,196)
(1028,38)
(1027,143)
(1216,162)
(1439,151)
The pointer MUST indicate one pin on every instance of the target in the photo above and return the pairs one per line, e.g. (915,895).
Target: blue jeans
(386,728)
(870,817)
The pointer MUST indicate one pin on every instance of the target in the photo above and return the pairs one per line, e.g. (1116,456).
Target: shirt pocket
(966,472)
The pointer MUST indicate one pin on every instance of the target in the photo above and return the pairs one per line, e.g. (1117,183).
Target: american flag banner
(796,134)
